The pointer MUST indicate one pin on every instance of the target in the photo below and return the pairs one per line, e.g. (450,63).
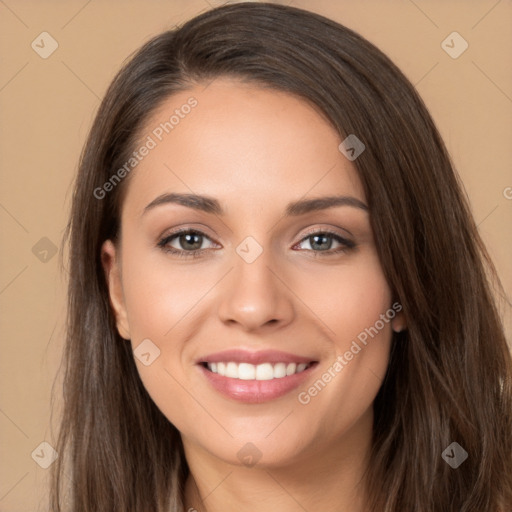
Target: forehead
(251,147)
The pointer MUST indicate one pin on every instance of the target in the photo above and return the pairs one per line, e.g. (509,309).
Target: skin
(255,150)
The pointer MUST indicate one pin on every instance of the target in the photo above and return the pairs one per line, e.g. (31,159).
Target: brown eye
(186,242)
(190,241)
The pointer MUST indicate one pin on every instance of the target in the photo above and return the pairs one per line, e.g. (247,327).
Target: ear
(398,323)
(111,266)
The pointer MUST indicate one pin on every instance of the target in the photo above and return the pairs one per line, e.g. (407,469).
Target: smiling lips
(255,377)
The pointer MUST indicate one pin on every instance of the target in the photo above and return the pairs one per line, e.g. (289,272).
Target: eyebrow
(211,205)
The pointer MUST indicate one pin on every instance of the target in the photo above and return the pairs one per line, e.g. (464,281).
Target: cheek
(161,299)
(354,305)
(159,293)
(347,299)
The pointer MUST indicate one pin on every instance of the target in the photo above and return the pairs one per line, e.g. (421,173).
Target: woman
(278,297)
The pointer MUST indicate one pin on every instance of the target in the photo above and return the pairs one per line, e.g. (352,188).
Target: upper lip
(239,355)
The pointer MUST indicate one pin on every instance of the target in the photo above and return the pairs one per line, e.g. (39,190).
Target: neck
(327,477)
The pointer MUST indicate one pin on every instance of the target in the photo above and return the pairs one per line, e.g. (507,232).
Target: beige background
(47,106)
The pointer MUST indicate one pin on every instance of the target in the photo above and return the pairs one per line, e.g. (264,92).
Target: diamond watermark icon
(352,147)
(249,249)
(146,352)
(454,45)
(249,455)
(44,455)
(44,45)
(44,250)
(454,455)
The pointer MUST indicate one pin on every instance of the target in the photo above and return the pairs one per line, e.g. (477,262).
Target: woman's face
(277,281)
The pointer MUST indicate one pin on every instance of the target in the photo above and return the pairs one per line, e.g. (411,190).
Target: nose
(256,296)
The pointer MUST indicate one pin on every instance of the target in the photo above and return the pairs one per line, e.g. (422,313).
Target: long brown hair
(449,377)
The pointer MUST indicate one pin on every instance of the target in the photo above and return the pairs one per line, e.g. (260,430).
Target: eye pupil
(188,237)
(316,244)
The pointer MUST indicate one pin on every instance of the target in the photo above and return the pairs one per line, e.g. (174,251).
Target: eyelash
(347,245)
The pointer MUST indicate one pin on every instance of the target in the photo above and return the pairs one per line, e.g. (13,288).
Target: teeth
(264,371)
(232,370)
(290,369)
(245,371)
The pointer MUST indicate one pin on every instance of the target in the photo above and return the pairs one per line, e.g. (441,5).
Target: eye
(189,243)
(322,241)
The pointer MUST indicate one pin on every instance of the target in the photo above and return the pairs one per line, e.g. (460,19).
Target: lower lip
(256,391)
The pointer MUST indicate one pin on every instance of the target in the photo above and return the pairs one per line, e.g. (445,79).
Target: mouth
(255,377)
